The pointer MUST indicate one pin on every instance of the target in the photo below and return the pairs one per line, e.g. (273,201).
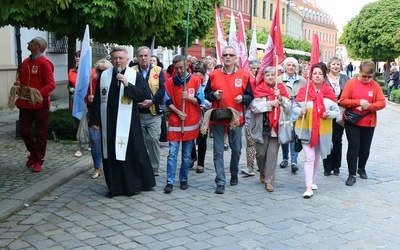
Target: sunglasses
(230,55)
(366,76)
(33,41)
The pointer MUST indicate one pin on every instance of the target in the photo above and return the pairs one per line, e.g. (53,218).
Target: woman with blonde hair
(94,135)
(337,81)
(363,97)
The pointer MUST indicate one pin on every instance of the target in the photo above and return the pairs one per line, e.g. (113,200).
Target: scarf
(318,105)
(262,89)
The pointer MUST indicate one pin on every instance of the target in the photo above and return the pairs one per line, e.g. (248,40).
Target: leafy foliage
(129,22)
(372,33)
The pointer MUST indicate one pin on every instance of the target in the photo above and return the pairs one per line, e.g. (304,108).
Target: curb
(38,190)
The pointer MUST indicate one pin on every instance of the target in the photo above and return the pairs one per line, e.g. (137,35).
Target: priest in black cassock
(126,164)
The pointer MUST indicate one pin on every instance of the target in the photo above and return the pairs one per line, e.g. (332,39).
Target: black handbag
(353,117)
(297,144)
(219,114)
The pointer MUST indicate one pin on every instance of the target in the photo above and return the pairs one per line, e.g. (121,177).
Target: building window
(264,9)
(57,44)
(283,15)
(255,8)
(246,6)
(271,11)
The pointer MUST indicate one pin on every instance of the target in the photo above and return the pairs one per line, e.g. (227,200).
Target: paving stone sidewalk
(77,215)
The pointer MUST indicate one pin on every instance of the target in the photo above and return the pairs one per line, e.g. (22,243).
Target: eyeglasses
(230,55)
(366,76)
(33,41)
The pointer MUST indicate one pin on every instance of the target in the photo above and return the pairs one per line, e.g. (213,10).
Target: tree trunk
(71,50)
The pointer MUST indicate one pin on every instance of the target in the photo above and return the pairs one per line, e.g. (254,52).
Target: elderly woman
(293,82)
(316,104)
(337,81)
(264,126)
(363,96)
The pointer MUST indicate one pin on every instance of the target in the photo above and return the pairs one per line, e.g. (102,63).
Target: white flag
(253,46)
(233,34)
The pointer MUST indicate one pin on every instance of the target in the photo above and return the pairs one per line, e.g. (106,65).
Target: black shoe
(200,170)
(284,164)
(109,195)
(184,185)
(351,180)
(336,171)
(234,180)
(294,168)
(327,172)
(362,173)
(220,189)
(192,161)
(168,188)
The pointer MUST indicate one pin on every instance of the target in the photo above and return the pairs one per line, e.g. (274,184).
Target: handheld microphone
(119,71)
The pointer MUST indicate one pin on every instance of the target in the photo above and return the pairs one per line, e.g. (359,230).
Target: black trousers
(334,160)
(359,139)
(201,147)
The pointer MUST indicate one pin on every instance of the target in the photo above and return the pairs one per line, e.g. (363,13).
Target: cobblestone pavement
(77,215)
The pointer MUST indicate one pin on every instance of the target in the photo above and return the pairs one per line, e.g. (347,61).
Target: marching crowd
(296,107)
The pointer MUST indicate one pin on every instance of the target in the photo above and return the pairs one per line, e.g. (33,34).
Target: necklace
(333,77)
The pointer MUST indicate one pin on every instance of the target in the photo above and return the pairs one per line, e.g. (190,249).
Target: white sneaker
(247,171)
(314,186)
(308,194)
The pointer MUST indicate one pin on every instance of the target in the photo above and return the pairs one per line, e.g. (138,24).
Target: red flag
(274,44)
(220,40)
(314,52)
(243,58)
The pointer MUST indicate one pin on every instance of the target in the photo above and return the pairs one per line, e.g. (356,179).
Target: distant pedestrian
(363,96)
(36,77)
(349,70)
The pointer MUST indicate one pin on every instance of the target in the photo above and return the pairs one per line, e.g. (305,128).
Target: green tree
(371,34)
(129,22)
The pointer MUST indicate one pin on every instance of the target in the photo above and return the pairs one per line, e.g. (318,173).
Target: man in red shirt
(36,72)
(228,87)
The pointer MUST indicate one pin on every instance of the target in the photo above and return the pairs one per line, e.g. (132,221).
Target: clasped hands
(218,96)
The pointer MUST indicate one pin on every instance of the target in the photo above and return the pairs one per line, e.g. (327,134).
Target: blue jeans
(293,154)
(173,159)
(95,142)
(235,143)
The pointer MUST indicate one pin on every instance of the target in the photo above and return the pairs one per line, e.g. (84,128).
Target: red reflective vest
(192,120)
(231,85)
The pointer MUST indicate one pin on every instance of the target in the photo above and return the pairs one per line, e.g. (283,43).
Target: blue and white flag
(84,76)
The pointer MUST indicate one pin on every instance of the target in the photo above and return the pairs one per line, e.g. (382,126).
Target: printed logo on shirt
(35,69)
(238,83)
(191,92)
(370,93)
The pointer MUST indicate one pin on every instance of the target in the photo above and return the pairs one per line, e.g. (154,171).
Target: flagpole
(276,81)
(185,65)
